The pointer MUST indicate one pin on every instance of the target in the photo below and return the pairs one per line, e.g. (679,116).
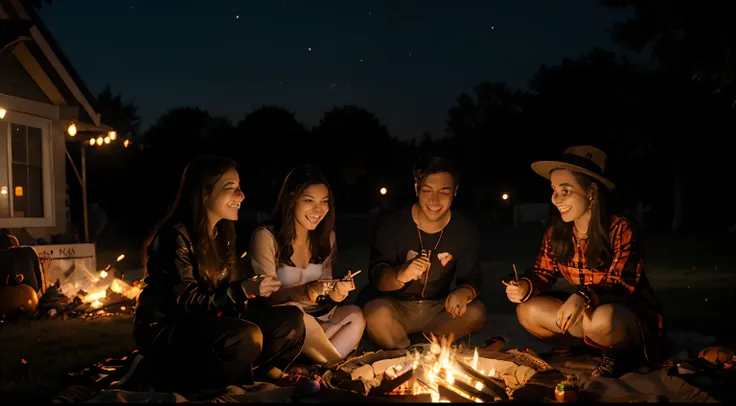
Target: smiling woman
(614,308)
(192,319)
(298,248)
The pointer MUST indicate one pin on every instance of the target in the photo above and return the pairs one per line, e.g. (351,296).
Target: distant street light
(383,191)
(505,196)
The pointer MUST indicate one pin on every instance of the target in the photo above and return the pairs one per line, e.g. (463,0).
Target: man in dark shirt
(416,255)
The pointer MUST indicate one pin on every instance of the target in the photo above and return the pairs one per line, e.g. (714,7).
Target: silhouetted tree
(688,40)
(267,143)
(123,117)
(484,127)
(694,36)
(359,154)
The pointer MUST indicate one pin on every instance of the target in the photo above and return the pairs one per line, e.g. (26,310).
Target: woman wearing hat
(614,308)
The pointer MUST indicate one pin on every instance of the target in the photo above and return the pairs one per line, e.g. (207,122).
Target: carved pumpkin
(18,298)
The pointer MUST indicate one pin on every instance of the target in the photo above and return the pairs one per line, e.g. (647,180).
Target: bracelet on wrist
(530,292)
(585,296)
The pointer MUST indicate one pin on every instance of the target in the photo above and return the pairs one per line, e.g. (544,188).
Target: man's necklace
(429,254)
(419,234)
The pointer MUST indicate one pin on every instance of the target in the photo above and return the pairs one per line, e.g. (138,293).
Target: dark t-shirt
(397,240)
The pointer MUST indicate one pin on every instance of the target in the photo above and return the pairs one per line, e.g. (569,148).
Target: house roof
(23,33)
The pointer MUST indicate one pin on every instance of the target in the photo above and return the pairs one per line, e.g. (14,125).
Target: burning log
(475,393)
(487,382)
(453,397)
(389,385)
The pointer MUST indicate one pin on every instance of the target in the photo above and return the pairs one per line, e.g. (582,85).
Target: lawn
(694,277)
(37,355)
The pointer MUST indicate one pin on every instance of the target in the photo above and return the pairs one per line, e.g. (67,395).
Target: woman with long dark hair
(614,307)
(298,248)
(188,320)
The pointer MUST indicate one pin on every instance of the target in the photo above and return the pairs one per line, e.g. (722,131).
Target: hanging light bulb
(126,143)
(92,142)
(107,140)
(3,112)
(72,129)
(99,140)
(112,135)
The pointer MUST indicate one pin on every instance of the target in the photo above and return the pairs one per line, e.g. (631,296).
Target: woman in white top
(298,247)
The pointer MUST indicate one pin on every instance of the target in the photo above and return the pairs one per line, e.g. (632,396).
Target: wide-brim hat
(584,159)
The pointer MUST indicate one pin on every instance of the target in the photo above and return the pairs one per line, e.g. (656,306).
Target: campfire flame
(438,368)
(96,299)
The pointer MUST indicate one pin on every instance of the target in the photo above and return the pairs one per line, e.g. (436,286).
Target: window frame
(47,161)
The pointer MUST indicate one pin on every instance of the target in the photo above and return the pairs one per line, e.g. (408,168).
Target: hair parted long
(283,219)
(212,254)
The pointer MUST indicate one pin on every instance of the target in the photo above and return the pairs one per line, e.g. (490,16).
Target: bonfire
(446,375)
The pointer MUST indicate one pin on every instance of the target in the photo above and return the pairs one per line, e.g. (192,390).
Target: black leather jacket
(173,287)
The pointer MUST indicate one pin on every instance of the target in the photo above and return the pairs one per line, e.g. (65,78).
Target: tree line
(663,125)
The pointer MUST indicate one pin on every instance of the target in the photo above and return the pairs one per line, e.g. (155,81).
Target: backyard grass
(693,277)
(36,356)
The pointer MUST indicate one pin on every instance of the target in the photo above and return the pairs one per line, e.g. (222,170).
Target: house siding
(16,81)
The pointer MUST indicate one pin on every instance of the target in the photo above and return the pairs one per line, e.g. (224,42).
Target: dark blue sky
(230,56)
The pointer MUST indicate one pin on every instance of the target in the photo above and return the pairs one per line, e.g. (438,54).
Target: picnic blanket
(660,385)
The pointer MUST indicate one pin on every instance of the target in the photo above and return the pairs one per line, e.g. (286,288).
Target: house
(44,105)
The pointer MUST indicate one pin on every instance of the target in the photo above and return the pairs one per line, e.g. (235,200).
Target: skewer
(348,277)
(516,274)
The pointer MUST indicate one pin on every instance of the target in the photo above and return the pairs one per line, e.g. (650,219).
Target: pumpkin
(18,298)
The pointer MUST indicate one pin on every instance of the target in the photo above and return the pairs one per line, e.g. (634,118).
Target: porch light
(3,112)
(112,135)
(72,129)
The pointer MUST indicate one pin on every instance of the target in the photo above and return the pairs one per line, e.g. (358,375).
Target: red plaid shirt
(624,275)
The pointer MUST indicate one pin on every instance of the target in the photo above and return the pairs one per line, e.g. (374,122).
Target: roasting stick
(348,277)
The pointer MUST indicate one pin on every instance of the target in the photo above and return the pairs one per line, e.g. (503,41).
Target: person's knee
(475,316)
(376,312)
(354,315)
(242,342)
(292,318)
(529,312)
(603,322)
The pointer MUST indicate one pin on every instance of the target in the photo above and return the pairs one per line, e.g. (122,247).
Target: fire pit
(440,372)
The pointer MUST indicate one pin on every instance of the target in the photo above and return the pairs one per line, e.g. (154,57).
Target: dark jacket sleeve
(469,273)
(176,267)
(385,258)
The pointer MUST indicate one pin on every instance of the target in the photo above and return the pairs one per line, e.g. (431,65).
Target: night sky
(404,60)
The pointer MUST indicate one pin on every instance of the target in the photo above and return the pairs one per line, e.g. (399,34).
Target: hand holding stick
(515,282)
